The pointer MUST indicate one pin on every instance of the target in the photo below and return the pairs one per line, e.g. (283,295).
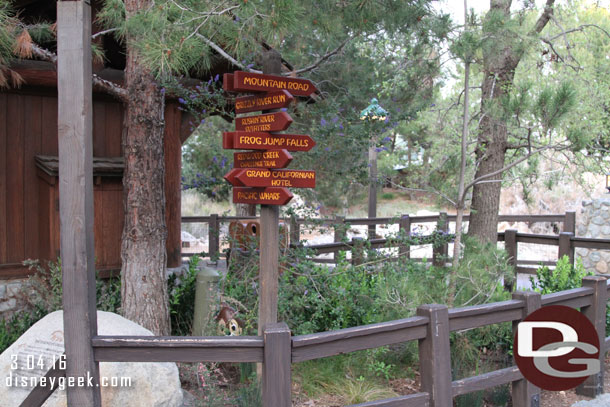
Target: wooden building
(29,193)
(29,204)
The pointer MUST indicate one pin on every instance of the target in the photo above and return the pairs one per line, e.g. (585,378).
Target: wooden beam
(76,196)
(269,237)
(524,393)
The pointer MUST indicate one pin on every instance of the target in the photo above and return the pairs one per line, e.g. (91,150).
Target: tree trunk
(499,64)
(143,251)
(245,210)
(500,60)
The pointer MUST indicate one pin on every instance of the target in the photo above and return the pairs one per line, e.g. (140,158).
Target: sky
(456,7)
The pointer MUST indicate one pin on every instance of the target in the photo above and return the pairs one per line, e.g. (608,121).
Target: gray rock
(586,203)
(8,305)
(595,256)
(605,214)
(580,252)
(598,220)
(2,290)
(593,231)
(152,384)
(597,204)
(13,289)
(587,263)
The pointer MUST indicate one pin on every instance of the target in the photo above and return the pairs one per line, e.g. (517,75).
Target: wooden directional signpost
(258,177)
(262,159)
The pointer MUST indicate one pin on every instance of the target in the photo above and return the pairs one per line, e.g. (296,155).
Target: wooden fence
(431,328)
(405,222)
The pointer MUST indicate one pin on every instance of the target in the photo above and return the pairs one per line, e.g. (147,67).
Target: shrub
(181,291)
(563,277)
(17,324)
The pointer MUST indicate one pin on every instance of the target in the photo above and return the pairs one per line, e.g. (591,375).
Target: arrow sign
(279,178)
(256,82)
(262,196)
(262,159)
(272,100)
(227,82)
(264,122)
(231,177)
(242,140)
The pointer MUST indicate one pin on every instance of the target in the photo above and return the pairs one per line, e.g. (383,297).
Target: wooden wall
(29,224)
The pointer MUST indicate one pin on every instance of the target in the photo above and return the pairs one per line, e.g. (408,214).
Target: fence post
(435,355)
(405,229)
(277,359)
(295,230)
(565,246)
(524,393)
(340,232)
(439,254)
(596,312)
(569,223)
(510,244)
(213,236)
(357,251)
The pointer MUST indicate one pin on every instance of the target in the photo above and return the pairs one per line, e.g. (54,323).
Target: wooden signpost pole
(74,81)
(258,177)
(269,246)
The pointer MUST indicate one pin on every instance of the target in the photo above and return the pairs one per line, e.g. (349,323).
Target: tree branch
(108,31)
(109,87)
(225,55)
(544,17)
(325,57)
(511,165)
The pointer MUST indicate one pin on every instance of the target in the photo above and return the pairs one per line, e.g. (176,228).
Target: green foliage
(314,298)
(205,161)
(181,289)
(41,294)
(565,276)
(17,324)
(45,289)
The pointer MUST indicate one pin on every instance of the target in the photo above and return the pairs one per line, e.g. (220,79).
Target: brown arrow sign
(279,178)
(262,159)
(271,100)
(242,140)
(231,177)
(264,122)
(256,82)
(227,82)
(262,196)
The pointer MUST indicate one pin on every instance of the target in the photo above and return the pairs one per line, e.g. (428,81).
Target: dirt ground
(567,398)
(411,386)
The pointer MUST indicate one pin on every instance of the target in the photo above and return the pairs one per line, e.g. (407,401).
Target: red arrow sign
(256,82)
(271,100)
(262,196)
(242,140)
(227,82)
(231,177)
(264,122)
(262,159)
(279,178)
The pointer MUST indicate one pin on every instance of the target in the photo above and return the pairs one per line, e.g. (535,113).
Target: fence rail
(404,222)
(278,350)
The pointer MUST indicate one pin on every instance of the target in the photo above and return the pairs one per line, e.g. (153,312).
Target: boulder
(31,356)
